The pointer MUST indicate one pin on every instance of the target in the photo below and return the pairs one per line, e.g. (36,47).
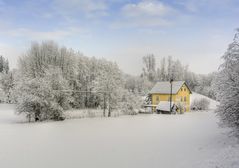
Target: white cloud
(146,8)
(145,14)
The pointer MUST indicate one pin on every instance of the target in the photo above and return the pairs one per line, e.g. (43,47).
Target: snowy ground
(192,140)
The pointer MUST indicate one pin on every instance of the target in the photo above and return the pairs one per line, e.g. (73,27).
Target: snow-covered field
(191,140)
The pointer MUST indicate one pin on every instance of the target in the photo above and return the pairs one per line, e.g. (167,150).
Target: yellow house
(180,93)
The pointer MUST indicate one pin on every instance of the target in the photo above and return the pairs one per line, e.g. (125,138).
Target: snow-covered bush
(130,103)
(226,86)
(200,104)
(33,98)
(40,98)
(181,107)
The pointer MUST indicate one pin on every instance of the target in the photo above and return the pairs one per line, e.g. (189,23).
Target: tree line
(51,79)
(168,68)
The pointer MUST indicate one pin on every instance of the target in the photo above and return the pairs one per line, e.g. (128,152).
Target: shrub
(130,103)
(200,104)
(40,99)
(181,107)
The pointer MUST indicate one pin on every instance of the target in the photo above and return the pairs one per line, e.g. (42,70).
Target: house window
(181,89)
(185,99)
(181,99)
(185,89)
(157,98)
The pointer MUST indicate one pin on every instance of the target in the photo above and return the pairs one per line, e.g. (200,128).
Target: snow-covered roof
(165,87)
(164,105)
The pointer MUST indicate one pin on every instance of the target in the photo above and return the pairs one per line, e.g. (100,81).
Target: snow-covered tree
(226,86)
(130,103)
(163,74)
(4,65)
(71,80)
(7,87)
(169,68)
(40,57)
(109,80)
(149,68)
(41,98)
(131,83)
(46,71)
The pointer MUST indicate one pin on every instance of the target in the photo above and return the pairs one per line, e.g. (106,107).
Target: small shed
(164,107)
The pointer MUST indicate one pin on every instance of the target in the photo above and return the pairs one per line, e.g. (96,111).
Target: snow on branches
(226,85)
(53,79)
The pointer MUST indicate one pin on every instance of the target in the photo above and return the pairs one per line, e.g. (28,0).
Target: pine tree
(226,86)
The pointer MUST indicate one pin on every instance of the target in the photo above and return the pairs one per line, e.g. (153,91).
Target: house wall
(156,98)
(182,95)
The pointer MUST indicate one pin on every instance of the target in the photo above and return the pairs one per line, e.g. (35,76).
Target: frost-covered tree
(226,86)
(7,87)
(45,72)
(163,74)
(109,80)
(71,80)
(4,65)
(6,81)
(169,68)
(40,57)
(204,85)
(130,103)
(149,69)
(41,98)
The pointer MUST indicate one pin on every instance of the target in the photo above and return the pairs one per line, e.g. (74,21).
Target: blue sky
(195,31)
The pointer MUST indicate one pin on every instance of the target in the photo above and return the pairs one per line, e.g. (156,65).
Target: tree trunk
(109,112)
(104,106)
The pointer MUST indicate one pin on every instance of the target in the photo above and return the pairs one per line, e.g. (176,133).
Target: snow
(88,113)
(147,140)
(213,103)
